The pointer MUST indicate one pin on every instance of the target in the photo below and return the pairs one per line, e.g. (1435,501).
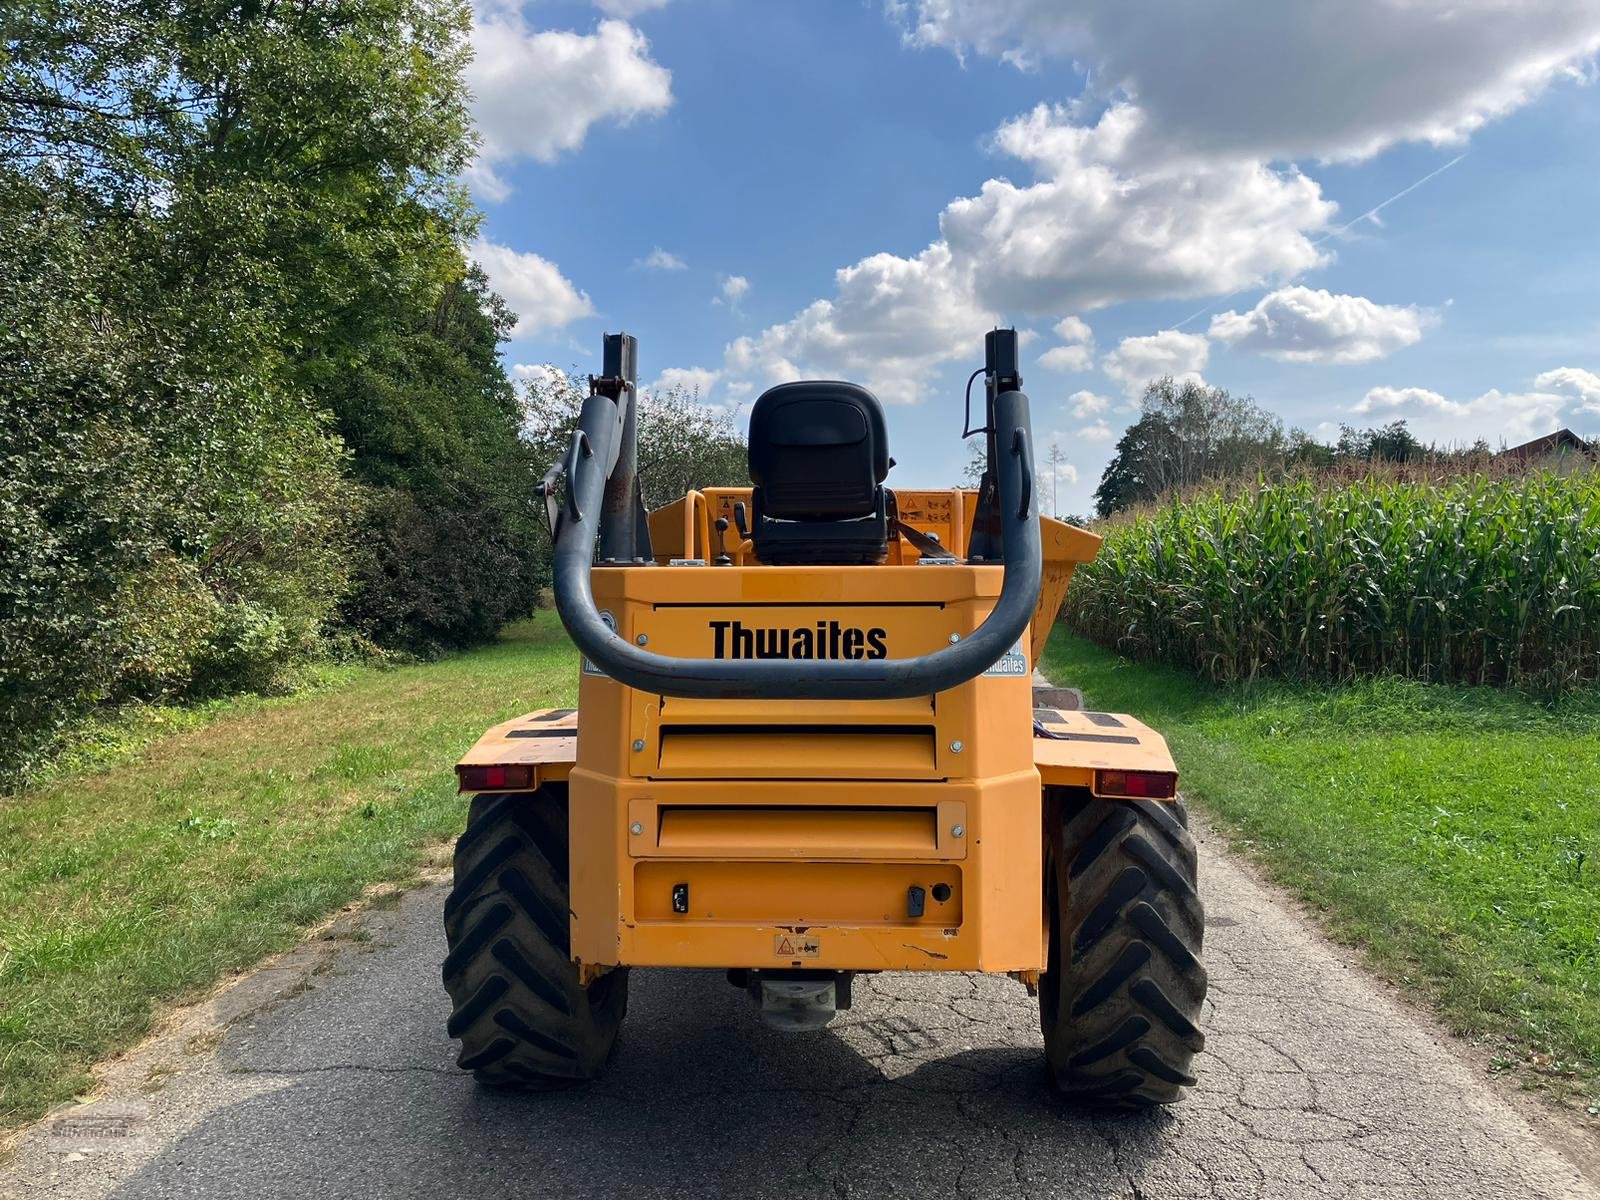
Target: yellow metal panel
(799,832)
(1093,742)
(546,739)
(730,828)
(666,531)
(1065,547)
(982,780)
(800,826)
(797,894)
(940,513)
(795,752)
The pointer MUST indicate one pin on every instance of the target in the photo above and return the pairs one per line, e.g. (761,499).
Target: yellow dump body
(775,834)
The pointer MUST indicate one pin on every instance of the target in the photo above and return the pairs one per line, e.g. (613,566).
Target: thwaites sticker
(1013,662)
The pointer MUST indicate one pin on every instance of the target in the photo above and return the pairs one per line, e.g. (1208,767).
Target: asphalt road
(329,1075)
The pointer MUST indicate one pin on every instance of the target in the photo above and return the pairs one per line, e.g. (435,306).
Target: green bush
(166,528)
(1472,580)
(433,577)
(234,302)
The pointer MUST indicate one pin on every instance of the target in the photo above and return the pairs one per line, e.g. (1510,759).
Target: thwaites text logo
(825,639)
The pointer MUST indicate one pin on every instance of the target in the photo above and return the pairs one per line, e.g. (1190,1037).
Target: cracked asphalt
(329,1075)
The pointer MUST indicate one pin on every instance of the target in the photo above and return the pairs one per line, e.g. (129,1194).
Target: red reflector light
(495,779)
(1136,785)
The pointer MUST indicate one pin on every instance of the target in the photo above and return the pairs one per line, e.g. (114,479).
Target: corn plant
(1473,579)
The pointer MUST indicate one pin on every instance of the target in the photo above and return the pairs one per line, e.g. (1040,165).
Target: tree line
(1188,433)
(252,408)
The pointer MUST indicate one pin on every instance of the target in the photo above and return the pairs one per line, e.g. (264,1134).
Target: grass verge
(1453,833)
(143,882)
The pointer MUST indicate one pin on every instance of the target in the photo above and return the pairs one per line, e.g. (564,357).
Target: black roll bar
(595,450)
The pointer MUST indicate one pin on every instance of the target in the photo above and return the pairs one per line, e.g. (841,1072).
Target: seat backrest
(818,451)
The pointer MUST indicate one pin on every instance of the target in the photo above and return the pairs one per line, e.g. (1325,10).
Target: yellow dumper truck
(809,745)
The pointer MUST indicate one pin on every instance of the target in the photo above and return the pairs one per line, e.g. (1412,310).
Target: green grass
(1453,833)
(164,860)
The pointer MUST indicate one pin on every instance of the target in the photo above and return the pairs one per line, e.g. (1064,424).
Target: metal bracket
(609,385)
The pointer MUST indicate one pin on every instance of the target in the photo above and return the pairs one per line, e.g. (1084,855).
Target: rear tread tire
(522,1017)
(1120,1001)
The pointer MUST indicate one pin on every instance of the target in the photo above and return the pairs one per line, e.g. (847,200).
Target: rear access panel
(883,835)
(799,894)
(840,831)
(876,875)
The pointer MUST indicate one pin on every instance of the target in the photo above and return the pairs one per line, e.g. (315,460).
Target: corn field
(1471,580)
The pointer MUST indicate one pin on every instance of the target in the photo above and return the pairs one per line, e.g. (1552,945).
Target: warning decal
(796,945)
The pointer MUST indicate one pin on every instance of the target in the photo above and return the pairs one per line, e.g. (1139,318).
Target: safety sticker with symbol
(796,945)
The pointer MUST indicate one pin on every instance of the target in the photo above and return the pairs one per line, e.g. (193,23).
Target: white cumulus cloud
(1581,385)
(1104,223)
(536,93)
(1309,325)
(1076,352)
(540,375)
(1087,404)
(734,288)
(1408,399)
(1321,78)
(1497,417)
(660,260)
(1096,431)
(891,322)
(694,381)
(541,296)
(1098,227)
(1138,360)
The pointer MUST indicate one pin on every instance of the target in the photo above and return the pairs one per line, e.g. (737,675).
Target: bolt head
(958,831)
(636,829)
(638,744)
(957,747)
(954,638)
(643,639)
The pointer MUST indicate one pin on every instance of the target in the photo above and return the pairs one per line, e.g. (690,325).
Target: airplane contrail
(1333,233)
(1377,208)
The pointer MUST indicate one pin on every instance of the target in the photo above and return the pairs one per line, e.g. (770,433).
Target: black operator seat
(819,453)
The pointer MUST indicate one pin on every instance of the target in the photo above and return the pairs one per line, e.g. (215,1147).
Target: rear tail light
(495,779)
(1136,785)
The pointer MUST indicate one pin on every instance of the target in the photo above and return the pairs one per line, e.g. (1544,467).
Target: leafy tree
(230,233)
(1305,451)
(451,546)
(977,463)
(168,524)
(683,443)
(1388,443)
(1186,433)
(1128,478)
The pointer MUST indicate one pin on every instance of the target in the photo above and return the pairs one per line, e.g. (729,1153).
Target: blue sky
(830,189)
